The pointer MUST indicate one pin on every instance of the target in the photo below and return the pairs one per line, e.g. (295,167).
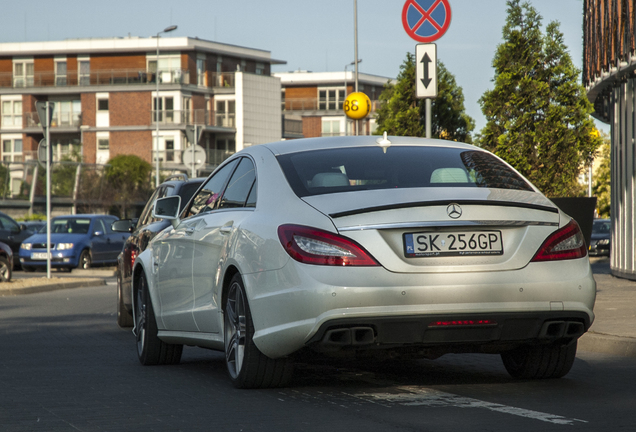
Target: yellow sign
(357,106)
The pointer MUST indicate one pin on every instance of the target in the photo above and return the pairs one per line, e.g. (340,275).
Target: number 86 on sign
(357,106)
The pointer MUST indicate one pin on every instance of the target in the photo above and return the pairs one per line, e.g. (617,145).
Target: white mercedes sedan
(364,246)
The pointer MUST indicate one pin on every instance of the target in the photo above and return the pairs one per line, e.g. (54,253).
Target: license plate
(464,243)
(38,255)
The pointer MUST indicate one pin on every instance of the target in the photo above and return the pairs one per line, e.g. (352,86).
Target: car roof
(307,144)
(84,216)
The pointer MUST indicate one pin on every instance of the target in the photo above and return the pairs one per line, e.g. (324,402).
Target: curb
(51,287)
(608,344)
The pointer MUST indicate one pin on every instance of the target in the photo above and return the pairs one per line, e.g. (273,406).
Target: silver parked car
(411,246)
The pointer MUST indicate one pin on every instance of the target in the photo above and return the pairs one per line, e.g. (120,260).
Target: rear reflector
(314,246)
(563,244)
(458,323)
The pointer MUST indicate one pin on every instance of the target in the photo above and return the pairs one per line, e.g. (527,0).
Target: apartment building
(107,103)
(313,100)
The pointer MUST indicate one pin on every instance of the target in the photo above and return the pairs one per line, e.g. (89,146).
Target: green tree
(601,182)
(63,174)
(401,113)
(538,115)
(128,181)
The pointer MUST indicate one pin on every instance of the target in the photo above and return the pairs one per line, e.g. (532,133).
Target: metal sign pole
(428,117)
(355,30)
(193,148)
(48,191)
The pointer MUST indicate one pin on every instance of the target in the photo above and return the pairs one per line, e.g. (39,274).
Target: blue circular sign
(426,20)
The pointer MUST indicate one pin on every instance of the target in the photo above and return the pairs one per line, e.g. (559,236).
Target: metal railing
(114,77)
(316,104)
(60,119)
(199,117)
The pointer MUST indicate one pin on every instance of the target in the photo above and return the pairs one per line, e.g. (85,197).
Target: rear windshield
(361,168)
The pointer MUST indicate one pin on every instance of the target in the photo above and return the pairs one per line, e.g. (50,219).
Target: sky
(316,36)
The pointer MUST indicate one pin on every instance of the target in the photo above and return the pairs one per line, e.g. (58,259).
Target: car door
(212,236)
(114,240)
(11,234)
(172,271)
(99,246)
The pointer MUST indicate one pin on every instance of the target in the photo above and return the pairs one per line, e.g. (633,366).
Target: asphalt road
(66,366)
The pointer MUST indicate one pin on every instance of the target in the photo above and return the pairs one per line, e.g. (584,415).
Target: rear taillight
(315,246)
(566,243)
(133,257)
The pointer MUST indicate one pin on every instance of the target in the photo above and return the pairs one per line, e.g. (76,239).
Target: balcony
(60,119)
(199,117)
(318,105)
(113,77)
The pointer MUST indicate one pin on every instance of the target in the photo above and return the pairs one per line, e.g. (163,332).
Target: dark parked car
(142,231)
(33,225)
(601,233)
(6,262)
(13,233)
(76,241)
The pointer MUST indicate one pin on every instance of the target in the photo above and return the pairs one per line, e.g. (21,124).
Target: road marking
(417,396)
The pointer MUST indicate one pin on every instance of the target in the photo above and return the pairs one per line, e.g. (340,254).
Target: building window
(84,72)
(331,127)
(169,150)
(102,105)
(260,69)
(65,147)
(67,113)
(23,73)
(11,113)
(330,99)
(201,72)
(187,113)
(164,112)
(103,144)
(225,113)
(60,73)
(12,150)
(169,69)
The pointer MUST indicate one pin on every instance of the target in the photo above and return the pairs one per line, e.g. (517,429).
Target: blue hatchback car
(76,241)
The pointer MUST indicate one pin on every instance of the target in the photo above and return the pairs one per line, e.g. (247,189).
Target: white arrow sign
(426,70)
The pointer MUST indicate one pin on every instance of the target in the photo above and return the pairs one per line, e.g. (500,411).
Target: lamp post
(166,30)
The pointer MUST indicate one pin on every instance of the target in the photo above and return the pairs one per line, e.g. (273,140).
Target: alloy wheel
(235,329)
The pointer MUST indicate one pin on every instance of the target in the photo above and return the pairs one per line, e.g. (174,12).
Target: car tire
(540,361)
(124,318)
(150,349)
(84,260)
(246,365)
(5,270)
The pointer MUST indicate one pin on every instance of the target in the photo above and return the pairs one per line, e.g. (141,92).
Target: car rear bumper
(297,305)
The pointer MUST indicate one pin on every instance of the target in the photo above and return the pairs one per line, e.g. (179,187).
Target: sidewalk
(614,329)
(38,282)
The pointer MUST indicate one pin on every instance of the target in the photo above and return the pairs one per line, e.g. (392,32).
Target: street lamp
(166,30)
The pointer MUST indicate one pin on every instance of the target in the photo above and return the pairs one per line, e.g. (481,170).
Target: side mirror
(124,225)
(168,208)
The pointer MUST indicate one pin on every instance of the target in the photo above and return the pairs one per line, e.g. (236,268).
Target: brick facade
(312,127)
(88,109)
(90,147)
(130,108)
(137,143)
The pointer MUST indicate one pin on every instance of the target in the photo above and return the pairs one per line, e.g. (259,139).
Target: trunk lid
(498,229)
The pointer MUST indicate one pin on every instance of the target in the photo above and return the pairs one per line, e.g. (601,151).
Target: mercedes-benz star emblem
(454,211)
